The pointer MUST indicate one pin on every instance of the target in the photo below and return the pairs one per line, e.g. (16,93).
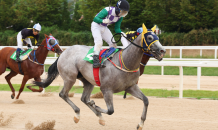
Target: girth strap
(96,76)
(20,69)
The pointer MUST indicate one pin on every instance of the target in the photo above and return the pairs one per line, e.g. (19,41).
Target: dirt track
(163,113)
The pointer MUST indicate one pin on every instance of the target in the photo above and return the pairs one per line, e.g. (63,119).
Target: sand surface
(163,113)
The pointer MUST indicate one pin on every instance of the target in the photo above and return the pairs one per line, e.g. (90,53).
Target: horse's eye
(150,38)
(52,42)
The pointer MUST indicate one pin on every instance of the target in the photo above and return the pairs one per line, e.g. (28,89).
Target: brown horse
(32,67)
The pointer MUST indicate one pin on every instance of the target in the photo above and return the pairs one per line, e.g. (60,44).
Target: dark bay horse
(144,61)
(30,68)
(71,66)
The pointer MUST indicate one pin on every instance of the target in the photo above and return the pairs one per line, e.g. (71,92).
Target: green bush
(69,38)
(192,38)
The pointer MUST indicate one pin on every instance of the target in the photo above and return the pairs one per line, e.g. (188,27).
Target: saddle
(23,54)
(104,54)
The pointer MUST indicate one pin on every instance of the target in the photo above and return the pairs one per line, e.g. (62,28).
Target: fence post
(200,52)
(162,70)
(180,52)
(198,76)
(80,83)
(170,53)
(181,82)
(215,55)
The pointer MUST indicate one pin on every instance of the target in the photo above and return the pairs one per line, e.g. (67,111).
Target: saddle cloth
(23,54)
(103,54)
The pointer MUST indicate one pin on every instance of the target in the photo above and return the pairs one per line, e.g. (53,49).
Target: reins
(126,39)
(50,48)
(121,57)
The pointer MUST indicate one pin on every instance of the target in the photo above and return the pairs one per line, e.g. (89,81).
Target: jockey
(24,37)
(107,16)
(131,35)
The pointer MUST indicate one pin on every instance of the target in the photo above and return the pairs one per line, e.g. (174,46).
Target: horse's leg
(108,97)
(25,79)
(64,95)
(38,79)
(88,87)
(136,92)
(8,78)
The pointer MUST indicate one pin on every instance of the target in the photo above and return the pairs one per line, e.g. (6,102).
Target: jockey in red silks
(24,37)
(107,16)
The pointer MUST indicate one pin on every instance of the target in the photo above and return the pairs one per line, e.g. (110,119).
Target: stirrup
(18,60)
(96,65)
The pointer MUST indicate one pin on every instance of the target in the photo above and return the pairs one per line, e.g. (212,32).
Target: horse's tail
(52,74)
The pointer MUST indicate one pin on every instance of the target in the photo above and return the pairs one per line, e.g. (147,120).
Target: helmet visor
(36,30)
(123,13)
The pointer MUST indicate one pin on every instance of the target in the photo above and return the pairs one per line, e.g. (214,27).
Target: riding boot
(96,62)
(18,55)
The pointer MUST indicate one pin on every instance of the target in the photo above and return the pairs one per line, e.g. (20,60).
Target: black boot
(96,62)
(18,56)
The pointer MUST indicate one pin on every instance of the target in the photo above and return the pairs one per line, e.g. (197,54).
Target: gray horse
(71,66)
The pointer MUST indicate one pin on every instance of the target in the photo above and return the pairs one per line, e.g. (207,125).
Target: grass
(198,94)
(174,70)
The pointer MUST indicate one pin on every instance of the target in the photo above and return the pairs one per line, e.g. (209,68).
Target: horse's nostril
(162,51)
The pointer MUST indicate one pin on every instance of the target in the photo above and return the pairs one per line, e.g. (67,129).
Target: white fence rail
(180,62)
(180,48)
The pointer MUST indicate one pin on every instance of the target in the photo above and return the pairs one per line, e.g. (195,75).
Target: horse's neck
(145,59)
(132,55)
(41,54)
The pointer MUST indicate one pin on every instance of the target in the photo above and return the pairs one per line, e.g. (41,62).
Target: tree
(182,15)
(65,20)
(6,14)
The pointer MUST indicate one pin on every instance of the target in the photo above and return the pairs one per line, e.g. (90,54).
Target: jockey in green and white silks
(24,37)
(107,16)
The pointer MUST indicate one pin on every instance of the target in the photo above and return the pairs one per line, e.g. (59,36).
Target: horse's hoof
(76,120)
(139,127)
(28,87)
(102,122)
(12,96)
(91,102)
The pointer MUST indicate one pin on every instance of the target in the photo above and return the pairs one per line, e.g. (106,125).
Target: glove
(106,21)
(123,34)
(29,46)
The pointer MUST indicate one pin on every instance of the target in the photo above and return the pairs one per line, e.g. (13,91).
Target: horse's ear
(153,29)
(145,30)
(46,35)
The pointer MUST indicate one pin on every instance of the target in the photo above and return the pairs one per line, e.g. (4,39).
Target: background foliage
(183,22)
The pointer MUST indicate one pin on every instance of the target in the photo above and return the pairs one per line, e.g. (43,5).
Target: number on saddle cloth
(23,54)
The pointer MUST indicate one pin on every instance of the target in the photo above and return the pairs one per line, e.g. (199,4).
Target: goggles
(36,30)
(123,13)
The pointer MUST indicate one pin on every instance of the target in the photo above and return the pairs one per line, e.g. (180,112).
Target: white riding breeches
(125,42)
(20,42)
(100,32)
